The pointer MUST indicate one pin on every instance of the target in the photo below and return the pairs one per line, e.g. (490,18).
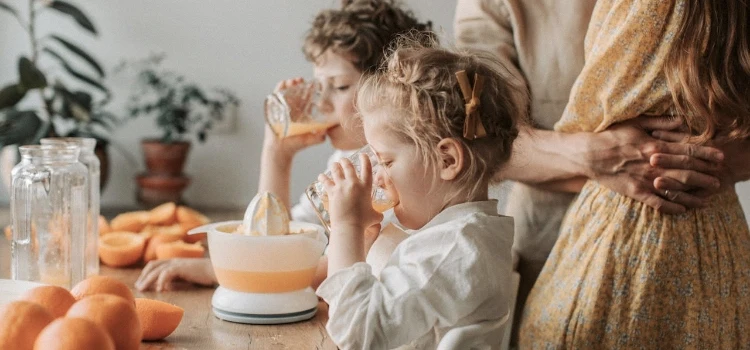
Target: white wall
(246,46)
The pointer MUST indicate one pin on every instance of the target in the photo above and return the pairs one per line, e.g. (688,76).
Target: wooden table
(199,328)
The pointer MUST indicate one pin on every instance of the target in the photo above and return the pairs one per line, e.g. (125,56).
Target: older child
(442,123)
(343,44)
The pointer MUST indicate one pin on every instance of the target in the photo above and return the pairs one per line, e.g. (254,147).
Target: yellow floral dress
(623,276)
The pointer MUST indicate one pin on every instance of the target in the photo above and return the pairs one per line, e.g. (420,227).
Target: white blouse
(451,273)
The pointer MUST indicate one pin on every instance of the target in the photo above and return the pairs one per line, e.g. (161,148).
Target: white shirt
(453,272)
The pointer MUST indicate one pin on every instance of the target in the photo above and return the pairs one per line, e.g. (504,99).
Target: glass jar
(49,199)
(91,161)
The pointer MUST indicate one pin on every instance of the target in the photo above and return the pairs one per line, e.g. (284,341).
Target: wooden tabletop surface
(199,328)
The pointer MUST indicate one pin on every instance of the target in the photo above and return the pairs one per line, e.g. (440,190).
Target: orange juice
(379,205)
(264,282)
(296,128)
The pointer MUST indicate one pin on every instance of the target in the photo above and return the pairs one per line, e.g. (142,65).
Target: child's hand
(289,146)
(159,275)
(350,195)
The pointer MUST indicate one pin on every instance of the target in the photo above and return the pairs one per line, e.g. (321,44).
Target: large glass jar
(49,200)
(91,161)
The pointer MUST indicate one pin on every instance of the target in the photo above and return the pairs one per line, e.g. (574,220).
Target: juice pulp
(265,282)
(296,128)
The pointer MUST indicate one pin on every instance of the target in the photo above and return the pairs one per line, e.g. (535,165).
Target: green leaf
(19,127)
(10,95)
(74,12)
(74,73)
(78,51)
(31,76)
(8,8)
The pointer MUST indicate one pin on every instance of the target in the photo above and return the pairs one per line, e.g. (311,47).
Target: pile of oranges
(97,313)
(160,233)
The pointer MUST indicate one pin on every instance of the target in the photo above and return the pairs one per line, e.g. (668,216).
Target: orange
(165,214)
(118,249)
(74,333)
(158,319)
(101,285)
(179,249)
(115,314)
(133,221)
(57,300)
(104,226)
(156,241)
(8,232)
(174,229)
(20,324)
(191,218)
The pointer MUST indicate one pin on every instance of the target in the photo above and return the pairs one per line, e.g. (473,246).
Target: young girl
(342,44)
(436,119)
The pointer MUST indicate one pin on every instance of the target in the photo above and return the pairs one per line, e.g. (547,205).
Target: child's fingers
(366,173)
(326,181)
(337,173)
(148,278)
(348,169)
(165,278)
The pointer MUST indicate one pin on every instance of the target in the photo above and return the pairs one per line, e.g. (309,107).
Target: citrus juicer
(264,264)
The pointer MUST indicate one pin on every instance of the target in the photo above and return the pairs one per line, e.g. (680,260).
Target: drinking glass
(296,110)
(381,200)
(91,161)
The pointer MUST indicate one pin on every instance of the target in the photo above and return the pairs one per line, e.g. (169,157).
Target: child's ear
(451,158)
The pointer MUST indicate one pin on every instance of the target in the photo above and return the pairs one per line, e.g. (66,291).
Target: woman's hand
(735,167)
(620,159)
(160,275)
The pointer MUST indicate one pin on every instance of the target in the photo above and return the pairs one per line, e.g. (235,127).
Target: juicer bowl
(265,264)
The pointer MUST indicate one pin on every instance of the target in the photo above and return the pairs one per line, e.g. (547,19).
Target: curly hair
(418,86)
(361,30)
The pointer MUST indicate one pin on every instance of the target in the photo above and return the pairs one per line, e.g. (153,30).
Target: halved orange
(104,226)
(119,249)
(158,319)
(156,241)
(133,221)
(165,214)
(179,249)
(191,218)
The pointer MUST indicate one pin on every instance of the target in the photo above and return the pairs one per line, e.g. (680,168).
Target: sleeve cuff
(336,285)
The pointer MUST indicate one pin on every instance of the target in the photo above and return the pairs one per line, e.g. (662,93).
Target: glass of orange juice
(382,199)
(296,110)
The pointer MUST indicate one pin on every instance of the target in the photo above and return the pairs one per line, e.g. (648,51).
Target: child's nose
(381,177)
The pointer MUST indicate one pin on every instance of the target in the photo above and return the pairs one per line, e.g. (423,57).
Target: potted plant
(59,100)
(183,111)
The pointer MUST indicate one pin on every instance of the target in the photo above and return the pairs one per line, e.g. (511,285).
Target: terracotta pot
(165,158)
(157,189)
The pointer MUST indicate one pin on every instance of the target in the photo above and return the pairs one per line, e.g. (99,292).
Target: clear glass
(49,200)
(381,199)
(91,161)
(297,110)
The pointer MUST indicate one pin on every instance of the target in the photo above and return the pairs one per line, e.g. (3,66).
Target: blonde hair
(418,85)
(361,30)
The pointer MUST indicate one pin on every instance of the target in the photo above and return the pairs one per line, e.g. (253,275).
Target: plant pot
(157,189)
(165,158)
